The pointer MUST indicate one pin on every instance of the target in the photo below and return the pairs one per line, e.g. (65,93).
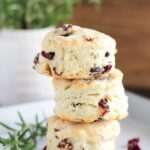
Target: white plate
(137,125)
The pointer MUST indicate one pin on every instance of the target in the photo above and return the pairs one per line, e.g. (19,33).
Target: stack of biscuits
(89,94)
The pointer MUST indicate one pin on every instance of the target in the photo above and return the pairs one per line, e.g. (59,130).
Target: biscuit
(64,135)
(73,52)
(90,100)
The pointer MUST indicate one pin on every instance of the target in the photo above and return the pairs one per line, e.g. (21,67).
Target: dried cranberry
(45,148)
(49,55)
(133,144)
(36,59)
(64,144)
(134,147)
(107,54)
(103,103)
(104,112)
(107,68)
(68,29)
(135,140)
(100,70)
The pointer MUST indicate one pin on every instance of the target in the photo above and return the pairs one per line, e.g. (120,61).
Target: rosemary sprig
(25,137)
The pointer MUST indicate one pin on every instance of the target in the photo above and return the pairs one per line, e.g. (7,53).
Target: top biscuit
(73,52)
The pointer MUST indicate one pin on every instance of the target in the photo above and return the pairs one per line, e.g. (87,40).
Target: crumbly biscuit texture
(81,53)
(74,136)
(90,100)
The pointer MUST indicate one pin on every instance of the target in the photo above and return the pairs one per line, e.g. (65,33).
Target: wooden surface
(129,23)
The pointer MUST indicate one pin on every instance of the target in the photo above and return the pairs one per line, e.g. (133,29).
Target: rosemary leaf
(25,136)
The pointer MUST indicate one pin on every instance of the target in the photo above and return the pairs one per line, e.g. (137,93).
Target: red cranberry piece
(133,144)
(36,59)
(68,29)
(99,70)
(105,112)
(107,68)
(107,54)
(64,144)
(49,55)
(103,103)
(135,140)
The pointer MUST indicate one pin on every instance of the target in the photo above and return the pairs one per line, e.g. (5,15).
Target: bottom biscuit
(64,135)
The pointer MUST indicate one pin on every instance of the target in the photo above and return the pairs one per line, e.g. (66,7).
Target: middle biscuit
(91,100)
